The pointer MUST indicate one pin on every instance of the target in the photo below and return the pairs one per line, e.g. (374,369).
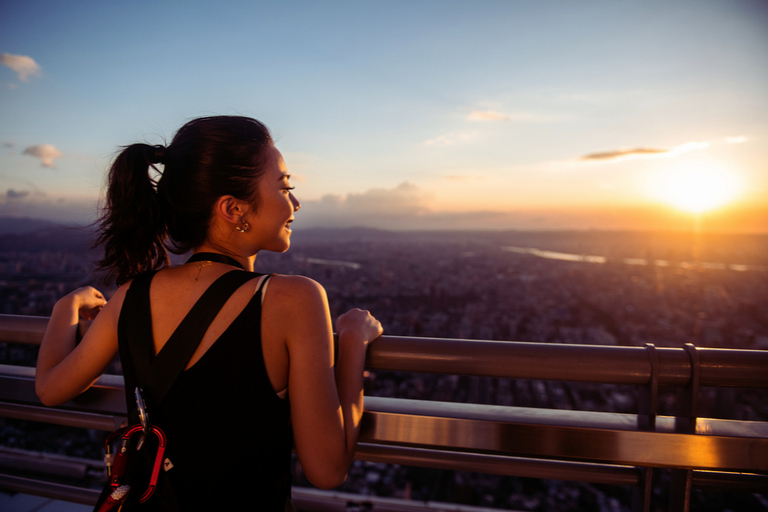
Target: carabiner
(121,458)
(141,406)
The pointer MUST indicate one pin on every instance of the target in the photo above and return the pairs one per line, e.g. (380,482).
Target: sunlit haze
(699,186)
(409,115)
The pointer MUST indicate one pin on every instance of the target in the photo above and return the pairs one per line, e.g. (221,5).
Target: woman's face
(271,221)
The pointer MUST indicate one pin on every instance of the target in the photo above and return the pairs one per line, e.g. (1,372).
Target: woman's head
(208,158)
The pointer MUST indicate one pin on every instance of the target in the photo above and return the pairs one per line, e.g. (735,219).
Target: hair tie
(155,154)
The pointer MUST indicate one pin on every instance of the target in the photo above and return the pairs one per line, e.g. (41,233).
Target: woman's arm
(326,402)
(66,369)
(356,329)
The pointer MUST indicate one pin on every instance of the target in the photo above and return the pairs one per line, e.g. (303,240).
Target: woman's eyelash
(289,188)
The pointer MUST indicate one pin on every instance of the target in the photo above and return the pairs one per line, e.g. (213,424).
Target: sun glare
(699,187)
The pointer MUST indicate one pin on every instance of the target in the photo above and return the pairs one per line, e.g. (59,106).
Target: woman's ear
(228,208)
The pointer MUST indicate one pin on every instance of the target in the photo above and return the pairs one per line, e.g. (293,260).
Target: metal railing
(597,447)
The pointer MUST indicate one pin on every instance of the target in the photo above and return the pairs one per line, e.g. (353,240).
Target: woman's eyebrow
(284,176)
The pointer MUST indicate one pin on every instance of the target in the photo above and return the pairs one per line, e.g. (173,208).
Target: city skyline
(399,115)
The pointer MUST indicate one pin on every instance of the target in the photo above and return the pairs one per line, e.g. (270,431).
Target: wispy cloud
(465,177)
(45,152)
(641,152)
(36,204)
(406,198)
(375,207)
(486,115)
(15,195)
(405,206)
(623,153)
(513,117)
(450,139)
(736,140)
(24,66)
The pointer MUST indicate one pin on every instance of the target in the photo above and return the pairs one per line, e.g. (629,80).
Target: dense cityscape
(586,288)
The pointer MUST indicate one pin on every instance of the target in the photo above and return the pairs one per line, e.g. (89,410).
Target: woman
(225,194)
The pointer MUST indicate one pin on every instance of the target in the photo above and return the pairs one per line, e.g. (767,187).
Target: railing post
(647,409)
(648,400)
(641,495)
(685,423)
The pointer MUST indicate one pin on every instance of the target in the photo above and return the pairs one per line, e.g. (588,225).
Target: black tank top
(229,434)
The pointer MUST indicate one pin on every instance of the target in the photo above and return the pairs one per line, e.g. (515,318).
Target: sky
(607,115)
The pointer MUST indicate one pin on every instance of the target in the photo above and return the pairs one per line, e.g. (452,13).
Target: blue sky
(408,114)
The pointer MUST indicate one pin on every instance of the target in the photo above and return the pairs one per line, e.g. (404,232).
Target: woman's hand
(359,324)
(88,302)
(66,368)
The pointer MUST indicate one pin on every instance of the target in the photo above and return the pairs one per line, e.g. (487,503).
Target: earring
(244,228)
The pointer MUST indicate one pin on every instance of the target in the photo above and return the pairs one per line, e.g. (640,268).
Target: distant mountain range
(20,225)
(26,234)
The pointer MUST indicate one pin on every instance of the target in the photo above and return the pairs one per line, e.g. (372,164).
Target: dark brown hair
(143,217)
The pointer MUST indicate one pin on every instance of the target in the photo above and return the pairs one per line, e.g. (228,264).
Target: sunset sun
(699,187)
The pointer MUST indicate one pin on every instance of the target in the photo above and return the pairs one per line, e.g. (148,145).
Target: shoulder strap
(263,283)
(157,377)
(135,335)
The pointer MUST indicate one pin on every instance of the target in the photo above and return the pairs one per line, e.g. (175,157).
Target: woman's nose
(296,203)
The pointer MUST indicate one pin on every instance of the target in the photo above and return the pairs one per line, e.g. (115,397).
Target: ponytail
(132,225)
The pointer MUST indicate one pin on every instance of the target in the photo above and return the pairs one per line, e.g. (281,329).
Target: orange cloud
(45,152)
(613,155)
(21,64)
(645,152)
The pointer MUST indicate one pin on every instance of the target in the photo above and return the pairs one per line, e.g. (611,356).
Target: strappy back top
(229,434)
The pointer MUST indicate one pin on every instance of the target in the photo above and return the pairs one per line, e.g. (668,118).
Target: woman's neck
(247,262)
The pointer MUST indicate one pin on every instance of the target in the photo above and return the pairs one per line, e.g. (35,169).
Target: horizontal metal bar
(304,499)
(48,489)
(565,362)
(106,396)
(22,328)
(556,417)
(520,432)
(66,418)
(610,474)
(515,431)
(498,464)
(733,482)
(636,448)
(106,408)
(106,381)
(49,464)
(523,360)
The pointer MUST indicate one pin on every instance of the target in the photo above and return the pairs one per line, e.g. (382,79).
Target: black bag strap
(156,374)
(134,329)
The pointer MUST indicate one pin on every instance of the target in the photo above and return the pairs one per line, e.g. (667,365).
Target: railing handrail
(597,447)
(525,360)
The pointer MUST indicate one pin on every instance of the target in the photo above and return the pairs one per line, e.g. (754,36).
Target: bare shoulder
(289,289)
(296,308)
